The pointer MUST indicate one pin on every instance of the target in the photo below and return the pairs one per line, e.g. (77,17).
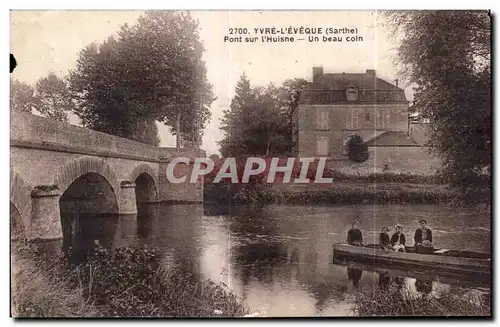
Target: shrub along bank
(126,282)
(339,193)
(401,302)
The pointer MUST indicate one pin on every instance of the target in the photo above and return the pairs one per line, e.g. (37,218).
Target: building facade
(336,106)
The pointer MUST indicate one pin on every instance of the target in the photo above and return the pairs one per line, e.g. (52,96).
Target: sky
(49,41)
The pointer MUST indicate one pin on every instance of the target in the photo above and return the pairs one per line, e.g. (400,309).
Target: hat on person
(398,226)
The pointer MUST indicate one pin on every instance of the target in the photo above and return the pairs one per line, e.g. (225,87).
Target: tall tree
(258,121)
(153,71)
(447,55)
(22,96)
(290,96)
(233,143)
(53,98)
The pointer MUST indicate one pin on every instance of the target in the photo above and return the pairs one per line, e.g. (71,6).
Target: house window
(384,119)
(322,145)
(322,119)
(352,119)
(368,116)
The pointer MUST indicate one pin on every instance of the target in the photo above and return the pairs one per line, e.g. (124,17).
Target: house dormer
(352,93)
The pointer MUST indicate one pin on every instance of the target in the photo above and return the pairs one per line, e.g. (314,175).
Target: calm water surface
(278,258)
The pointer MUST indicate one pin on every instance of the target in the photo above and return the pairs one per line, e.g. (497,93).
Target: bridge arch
(20,200)
(79,167)
(146,181)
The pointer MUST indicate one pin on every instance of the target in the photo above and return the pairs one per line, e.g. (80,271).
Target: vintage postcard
(250,164)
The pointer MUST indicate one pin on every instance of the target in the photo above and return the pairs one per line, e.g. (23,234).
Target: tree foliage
(357,150)
(53,98)
(22,96)
(152,71)
(50,97)
(258,121)
(447,55)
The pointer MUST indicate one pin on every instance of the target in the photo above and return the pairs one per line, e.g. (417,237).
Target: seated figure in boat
(354,236)
(398,240)
(423,238)
(384,241)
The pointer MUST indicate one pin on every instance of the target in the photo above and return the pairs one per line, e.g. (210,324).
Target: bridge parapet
(33,131)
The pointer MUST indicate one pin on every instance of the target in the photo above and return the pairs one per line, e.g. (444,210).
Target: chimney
(371,72)
(317,72)
(397,82)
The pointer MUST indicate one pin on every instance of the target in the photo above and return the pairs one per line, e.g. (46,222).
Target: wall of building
(337,122)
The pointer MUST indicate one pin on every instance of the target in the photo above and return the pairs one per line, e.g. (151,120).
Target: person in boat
(354,236)
(384,240)
(398,239)
(423,238)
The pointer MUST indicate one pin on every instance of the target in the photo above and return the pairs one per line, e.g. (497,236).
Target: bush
(126,282)
(129,282)
(357,150)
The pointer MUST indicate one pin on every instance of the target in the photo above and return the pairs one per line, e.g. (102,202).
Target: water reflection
(278,258)
(384,280)
(354,275)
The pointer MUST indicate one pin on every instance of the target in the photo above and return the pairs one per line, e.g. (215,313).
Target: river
(278,258)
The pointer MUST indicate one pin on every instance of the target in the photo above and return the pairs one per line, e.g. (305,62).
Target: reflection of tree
(258,260)
(323,292)
(145,220)
(217,210)
(177,228)
(253,220)
(258,253)
(82,231)
(354,275)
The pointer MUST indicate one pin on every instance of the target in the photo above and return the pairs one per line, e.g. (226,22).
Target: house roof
(363,81)
(332,88)
(392,138)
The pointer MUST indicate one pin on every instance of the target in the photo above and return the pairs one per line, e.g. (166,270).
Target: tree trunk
(178,130)
(268,141)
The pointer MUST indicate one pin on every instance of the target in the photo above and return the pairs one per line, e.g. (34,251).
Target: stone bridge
(56,168)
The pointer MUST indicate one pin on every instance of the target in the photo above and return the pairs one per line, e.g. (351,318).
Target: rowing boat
(442,260)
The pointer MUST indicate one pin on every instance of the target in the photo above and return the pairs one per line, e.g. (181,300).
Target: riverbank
(341,192)
(401,302)
(127,282)
(36,292)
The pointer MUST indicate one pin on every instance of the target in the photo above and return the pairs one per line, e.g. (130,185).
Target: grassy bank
(338,193)
(400,302)
(36,292)
(127,282)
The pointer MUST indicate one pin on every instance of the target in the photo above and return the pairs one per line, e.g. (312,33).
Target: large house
(336,106)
